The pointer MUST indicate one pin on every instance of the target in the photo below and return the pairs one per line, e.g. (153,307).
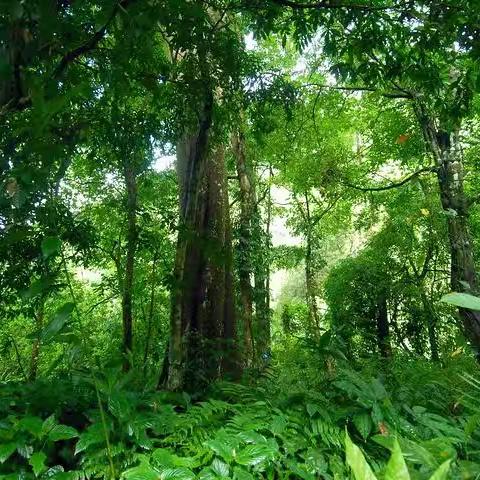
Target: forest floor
(290,422)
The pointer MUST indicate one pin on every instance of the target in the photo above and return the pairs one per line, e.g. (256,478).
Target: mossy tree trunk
(203,330)
(245,242)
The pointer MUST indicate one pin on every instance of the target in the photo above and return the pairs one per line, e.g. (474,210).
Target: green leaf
(6,450)
(207,474)
(94,435)
(177,474)
(363,423)
(242,474)
(355,459)
(221,448)
(62,432)
(254,454)
(441,473)
(119,405)
(142,472)
(59,320)
(396,467)
(37,287)
(463,300)
(167,459)
(50,246)
(32,425)
(221,468)
(312,409)
(37,461)
(48,424)
(385,441)
(278,424)
(163,457)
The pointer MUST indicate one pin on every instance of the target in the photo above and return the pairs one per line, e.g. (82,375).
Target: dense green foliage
(239,239)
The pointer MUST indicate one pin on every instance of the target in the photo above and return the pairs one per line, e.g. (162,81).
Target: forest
(239,239)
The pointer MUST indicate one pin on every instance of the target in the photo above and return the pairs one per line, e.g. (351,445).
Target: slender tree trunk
(268,243)
(261,273)
(127,293)
(463,278)
(310,283)
(149,317)
(431,322)
(203,331)
(39,317)
(383,328)
(310,287)
(262,302)
(245,246)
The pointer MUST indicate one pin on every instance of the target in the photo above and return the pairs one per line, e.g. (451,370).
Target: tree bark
(127,292)
(446,152)
(314,320)
(203,331)
(245,245)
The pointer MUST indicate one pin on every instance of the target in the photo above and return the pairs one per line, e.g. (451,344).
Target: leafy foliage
(293,271)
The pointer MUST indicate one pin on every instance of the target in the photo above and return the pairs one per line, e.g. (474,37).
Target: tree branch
(391,185)
(92,42)
(325,211)
(394,94)
(330,4)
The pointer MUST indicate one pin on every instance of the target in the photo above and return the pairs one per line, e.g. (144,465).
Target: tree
(440,89)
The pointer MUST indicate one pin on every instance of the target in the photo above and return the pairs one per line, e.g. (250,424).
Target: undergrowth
(290,423)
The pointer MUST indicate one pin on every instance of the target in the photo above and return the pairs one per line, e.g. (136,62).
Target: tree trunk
(314,320)
(463,278)
(38,341)
(253,261)
(246,242)
(262,274)
(203,332)
(149,317)
(431,322)
(262,302)
(383,328)
(127,292)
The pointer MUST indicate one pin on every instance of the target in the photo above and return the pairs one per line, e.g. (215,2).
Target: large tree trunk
(449,161)
(203,334)
(127,284)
